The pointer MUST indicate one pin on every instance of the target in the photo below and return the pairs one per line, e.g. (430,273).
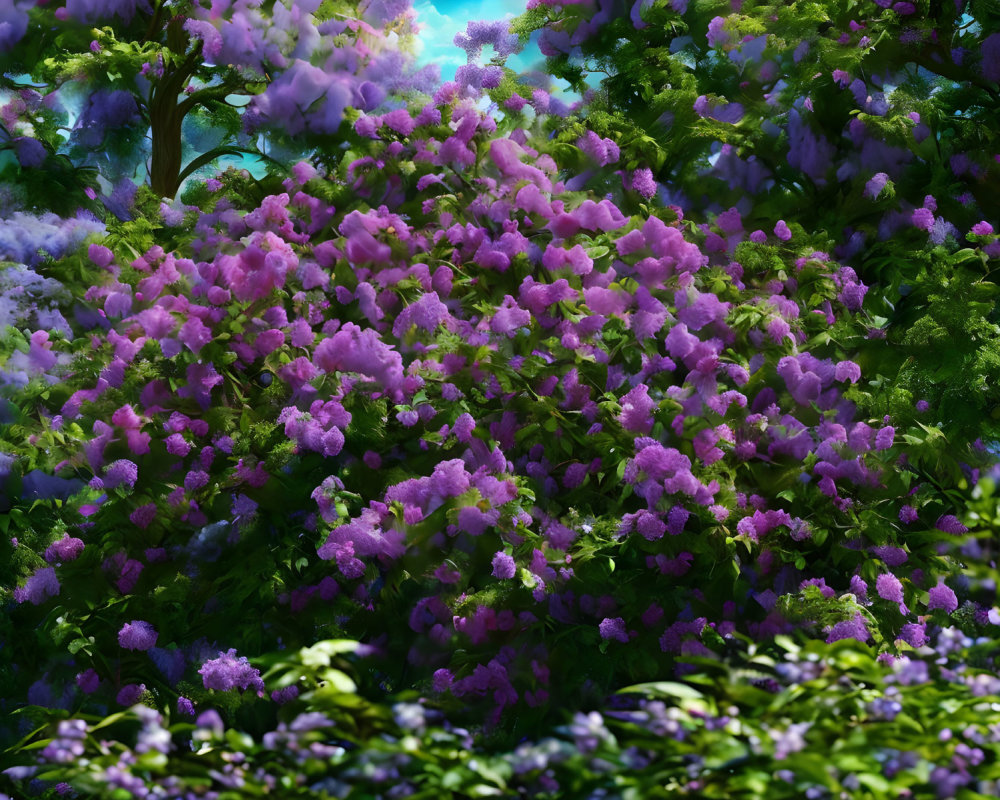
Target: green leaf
(664,689)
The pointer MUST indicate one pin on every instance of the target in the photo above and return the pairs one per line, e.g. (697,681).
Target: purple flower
(914,634)
(177,445)
(88,681)
(991,57)
(443,680)
(381,12)
(13,24)
(243,506)
(949,523)
(305,97)
(603,151)
(885,437)
(66,549)
(637,410)
(137,635)
(121,472)
(923,218)
(892,556)
(889,588)
(613,628)
(643,182)
(875,186)
(286,695)
(942,597)
(908,514)
(849,629)
(170,662)
(716,34)
(408,418)
(30,152)
(480,33)
(194,334)
(130,694)
(185,706)
(195,479)
(982,229)
(677,518)
(105,110)
(781,231)
(352,349)
(200,380)
(143,515)
(852,295)
(504,567)
(39,587)
(229,672)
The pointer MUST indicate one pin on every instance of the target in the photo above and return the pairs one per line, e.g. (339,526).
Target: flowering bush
(461,457)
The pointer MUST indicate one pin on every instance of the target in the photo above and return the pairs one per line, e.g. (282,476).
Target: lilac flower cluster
(229,672)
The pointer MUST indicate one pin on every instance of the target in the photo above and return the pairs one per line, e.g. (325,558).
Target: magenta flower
(125,417)
(782,231)
(137,635)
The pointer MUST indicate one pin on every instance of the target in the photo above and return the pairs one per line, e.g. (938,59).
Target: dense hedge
(496,450)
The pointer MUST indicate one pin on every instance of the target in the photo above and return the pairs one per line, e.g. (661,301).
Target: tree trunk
(164,173)
(166,114)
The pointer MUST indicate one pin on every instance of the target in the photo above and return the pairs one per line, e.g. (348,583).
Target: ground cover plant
(490,445)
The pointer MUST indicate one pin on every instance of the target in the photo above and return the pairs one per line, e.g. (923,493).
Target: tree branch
(202,96)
